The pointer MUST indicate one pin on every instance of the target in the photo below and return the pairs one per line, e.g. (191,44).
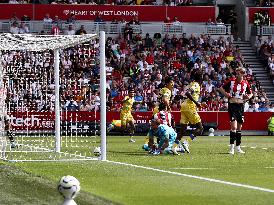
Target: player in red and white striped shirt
(237,90)
(163,115)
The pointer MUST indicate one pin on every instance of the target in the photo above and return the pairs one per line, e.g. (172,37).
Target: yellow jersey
(195,90)
(127,105)
(164,93)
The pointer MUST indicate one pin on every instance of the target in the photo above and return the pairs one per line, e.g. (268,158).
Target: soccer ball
(69,187)
(211,131)
(97,151)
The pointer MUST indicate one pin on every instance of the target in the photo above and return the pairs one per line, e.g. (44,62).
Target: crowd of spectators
(264,3)
(265,51)
(138,62)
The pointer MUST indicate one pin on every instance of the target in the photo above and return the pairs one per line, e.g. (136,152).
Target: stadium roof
(30,42)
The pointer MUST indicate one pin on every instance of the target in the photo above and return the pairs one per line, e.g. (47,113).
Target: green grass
(109,183)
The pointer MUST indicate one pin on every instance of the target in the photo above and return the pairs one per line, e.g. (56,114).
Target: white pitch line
(195,177)
(269,167)
(192,168)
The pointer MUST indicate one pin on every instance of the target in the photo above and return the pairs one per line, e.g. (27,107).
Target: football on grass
(69,187)
(97,151)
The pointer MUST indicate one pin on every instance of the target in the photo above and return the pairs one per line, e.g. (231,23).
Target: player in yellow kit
(165,95)
(189,107)
(127,120)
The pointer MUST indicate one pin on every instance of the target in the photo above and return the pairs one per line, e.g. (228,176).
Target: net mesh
(27,98)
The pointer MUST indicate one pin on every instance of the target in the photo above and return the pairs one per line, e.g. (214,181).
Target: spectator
(128,32)
(70,30)
(14,18)
(25,18)
(176,22)
(210,22)
(81,31)
(134,21)
(71,105)
(148,43)
(71,19)
(14,28)
(138,97)
(13,2)
(99,19)
(23,28)
(55,30)
(47,19)
(56,21)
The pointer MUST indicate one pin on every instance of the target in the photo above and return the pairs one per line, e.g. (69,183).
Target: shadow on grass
(128,153)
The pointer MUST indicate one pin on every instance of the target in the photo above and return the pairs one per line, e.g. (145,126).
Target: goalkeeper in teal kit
(165,135)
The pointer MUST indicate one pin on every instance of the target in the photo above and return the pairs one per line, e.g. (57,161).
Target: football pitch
(208,175)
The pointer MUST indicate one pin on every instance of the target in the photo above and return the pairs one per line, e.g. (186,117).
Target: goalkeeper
(9,132)
(166,136)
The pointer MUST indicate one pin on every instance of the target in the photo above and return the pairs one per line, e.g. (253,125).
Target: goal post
(71,137)
(103,95)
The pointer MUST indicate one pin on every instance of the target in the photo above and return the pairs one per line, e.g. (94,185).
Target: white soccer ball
(211,130)
(69,187)
(97,151)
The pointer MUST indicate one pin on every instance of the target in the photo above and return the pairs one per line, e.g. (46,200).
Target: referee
(237,90)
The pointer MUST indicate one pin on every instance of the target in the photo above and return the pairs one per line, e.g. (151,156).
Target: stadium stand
(139,63)
(138,55)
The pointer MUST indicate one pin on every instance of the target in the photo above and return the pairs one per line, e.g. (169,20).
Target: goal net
(49,93)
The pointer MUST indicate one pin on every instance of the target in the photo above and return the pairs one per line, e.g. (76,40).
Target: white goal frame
(29,42)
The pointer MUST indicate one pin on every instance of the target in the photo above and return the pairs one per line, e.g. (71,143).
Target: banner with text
(108,12)
(45,120)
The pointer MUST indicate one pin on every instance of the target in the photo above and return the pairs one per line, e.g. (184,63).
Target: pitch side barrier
(89,122)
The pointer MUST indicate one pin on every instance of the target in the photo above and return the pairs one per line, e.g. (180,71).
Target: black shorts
(236,112)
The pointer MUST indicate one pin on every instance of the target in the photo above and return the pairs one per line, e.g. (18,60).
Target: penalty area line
(194,177)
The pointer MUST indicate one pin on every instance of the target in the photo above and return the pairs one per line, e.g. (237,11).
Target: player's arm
(165,144)
(224,88)
(125,99)
(249,93)
(150,136)
(189,95)
(224,93)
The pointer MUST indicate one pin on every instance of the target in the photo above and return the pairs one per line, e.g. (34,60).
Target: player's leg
(11,137)
(199,129)
(171,149)
(239,138)
(183,132)
(233,130)
(240,120)
(195,119)
(183,126)
(131,127)
(233,127)
(123,118)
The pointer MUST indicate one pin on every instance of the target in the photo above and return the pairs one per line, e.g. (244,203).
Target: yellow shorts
(125,118)
(189,114)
